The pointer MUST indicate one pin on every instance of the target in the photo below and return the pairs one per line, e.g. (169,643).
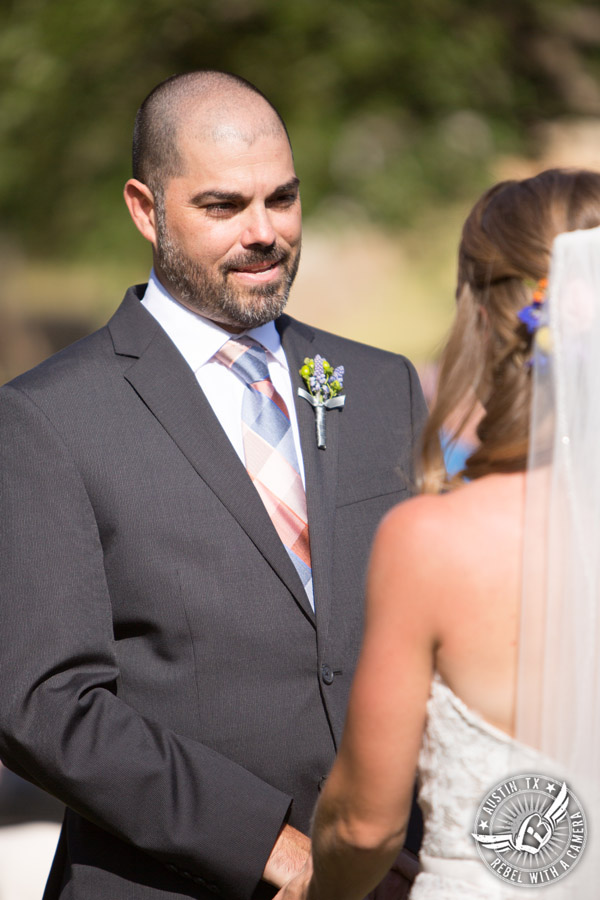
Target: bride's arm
(360,820)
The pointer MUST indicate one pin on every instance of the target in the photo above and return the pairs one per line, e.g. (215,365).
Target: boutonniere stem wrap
(325,385)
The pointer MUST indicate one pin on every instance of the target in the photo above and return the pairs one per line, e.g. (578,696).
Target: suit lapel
(320,468)
(168,387)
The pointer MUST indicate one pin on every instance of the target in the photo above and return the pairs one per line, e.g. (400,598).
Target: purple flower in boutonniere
(325,385)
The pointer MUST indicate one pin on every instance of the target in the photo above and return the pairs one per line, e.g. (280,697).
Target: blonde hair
(506,241)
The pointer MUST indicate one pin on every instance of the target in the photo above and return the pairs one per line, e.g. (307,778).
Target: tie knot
(246,358)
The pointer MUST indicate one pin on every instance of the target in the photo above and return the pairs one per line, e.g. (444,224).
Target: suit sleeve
(409,384)
(418,406)
(62,724)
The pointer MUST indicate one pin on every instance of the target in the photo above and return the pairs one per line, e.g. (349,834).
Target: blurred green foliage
(392,105)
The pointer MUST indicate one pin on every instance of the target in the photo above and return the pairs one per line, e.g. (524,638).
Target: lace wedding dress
(462,757)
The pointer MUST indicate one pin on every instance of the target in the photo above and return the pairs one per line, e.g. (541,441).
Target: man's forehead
(228,132)
(229,152)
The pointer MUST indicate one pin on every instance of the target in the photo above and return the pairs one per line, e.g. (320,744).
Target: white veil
(558,703)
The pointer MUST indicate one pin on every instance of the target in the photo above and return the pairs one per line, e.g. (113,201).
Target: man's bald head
(211,105)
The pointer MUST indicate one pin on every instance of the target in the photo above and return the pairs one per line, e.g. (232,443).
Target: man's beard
(214,297)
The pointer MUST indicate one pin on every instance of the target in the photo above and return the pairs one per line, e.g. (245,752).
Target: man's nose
(258,228)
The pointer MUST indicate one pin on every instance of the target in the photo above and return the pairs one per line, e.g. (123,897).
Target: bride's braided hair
(506,242)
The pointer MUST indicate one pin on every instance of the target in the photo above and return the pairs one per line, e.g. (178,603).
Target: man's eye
(219,209)
(284,199)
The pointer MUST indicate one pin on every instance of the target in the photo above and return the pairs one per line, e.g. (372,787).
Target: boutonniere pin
(325,385)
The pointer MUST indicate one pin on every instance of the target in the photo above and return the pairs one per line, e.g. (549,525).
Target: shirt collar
(196,337)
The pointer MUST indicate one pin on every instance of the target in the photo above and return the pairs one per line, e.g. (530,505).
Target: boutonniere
(325,385)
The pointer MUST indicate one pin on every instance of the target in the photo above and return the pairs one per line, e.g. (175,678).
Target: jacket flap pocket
(373,483)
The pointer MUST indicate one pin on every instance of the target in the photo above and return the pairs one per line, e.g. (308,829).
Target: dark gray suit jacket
(162,672)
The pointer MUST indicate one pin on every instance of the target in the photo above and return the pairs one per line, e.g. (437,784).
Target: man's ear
(140,203)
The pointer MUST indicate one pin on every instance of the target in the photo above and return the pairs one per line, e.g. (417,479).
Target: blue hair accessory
(531,315)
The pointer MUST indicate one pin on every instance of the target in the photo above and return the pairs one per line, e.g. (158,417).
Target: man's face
(228,230)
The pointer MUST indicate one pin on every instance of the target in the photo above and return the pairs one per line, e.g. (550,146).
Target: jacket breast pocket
(373,483)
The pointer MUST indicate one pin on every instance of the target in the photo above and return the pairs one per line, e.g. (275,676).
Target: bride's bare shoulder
(448,525)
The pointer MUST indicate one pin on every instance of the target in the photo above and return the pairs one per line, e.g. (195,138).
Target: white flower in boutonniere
(325,385)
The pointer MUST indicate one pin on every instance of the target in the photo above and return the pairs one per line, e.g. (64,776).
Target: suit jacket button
(327,674)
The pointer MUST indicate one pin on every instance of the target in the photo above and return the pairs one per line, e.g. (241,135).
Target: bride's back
(472,555)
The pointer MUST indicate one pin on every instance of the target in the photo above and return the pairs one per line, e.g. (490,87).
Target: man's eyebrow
(290,185)
(214,194)
(235,196)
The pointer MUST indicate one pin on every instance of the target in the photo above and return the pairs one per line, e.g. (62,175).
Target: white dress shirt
(198,339)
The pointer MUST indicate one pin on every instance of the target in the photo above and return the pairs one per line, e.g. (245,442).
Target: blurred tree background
(400,111)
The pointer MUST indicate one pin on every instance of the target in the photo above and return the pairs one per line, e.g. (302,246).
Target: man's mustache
(270,255)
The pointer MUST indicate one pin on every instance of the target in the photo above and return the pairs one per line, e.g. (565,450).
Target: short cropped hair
(155,153)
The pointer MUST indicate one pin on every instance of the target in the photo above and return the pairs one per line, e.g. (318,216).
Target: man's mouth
(257,267)
(257,272)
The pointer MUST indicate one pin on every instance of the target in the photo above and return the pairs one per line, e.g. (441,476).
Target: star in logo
(550,787)
(483,825)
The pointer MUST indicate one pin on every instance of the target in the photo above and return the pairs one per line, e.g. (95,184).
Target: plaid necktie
(270,452)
